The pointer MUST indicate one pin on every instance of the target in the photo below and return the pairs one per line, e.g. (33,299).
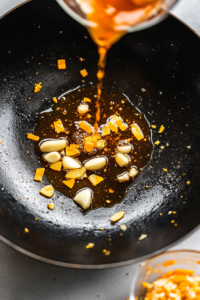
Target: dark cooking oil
(111,103)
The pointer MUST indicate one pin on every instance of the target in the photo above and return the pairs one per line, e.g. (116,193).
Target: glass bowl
(73,9)
(153,268)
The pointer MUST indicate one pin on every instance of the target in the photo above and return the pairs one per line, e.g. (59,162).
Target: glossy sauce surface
(111,103)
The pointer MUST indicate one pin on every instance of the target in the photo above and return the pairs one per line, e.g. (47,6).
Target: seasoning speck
(106,252)
(89,246)
(142,237)
(123,227)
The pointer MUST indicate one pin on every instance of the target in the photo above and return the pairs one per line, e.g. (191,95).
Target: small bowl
(183,260)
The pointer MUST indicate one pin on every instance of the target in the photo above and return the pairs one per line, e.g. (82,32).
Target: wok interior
(164,61)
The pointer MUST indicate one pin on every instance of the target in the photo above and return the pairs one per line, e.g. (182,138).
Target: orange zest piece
(70,183)
(72,150)
(85,99)
(39,174)
(112,126)
(84,72)
(85,126)
(101,144)
(137,132)
(123,127)
(58,126)
(179,272)
(105,131)
(37,87)
(47,191)
(117,120)
(162,128)
(76,146)
(169,263)
(88,146)
(92,138)
(76,174)
(95,179)
(61,64)
(55,99)
(56,166)
(33,137)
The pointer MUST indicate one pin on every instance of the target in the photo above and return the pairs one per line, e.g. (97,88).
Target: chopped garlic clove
(70,163)
(83,198)
(83,109)
(121,159)
(124,149)
(50,146)
(123,177)
(96,163)
(133,172)
(52,157)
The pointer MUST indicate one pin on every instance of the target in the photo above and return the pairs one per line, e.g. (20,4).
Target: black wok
(165,60)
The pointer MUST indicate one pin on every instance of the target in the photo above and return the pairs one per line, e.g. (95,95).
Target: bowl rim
(133,283)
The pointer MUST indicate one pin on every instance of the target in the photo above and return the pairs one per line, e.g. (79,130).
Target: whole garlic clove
(123,177)
(121,159)
(124,149)
(53,145)
(96,163)
(70,163)
(83,198)
(133,172)
(52,157)
(83,109)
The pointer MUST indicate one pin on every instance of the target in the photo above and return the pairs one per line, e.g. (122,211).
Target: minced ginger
(38,87)
(174,285)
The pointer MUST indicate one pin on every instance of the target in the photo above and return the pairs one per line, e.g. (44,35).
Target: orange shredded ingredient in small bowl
(178,284)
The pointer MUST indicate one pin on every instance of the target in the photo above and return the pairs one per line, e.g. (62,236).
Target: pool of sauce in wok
(111,103)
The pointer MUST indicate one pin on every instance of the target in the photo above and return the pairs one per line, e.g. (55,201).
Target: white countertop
(23,278)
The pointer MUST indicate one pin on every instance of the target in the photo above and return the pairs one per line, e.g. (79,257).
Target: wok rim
(110,265)
(100,266)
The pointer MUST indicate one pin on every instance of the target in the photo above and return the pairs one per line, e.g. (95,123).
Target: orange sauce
(110,20)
